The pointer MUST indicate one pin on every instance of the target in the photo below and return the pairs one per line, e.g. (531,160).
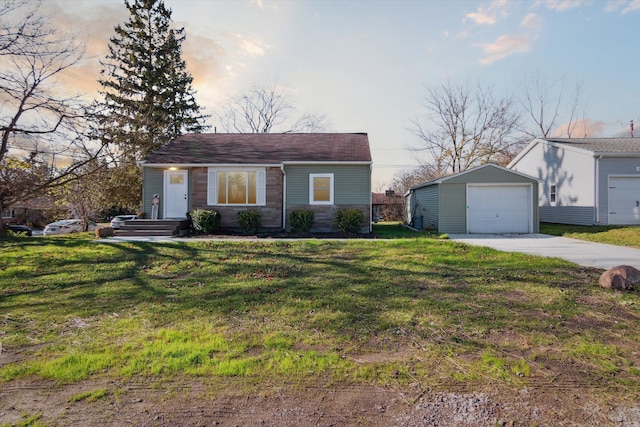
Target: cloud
(633,5)
(91,25)
(584,128)
(250,47)
(532,21)
(625,6)
(614,5)
(204,57)
(505,46)
(562,5)
(489,16)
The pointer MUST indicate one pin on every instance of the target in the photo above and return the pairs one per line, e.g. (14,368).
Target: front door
(175,193)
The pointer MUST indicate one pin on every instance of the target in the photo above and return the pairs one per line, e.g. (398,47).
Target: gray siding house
(271,173)
(585,181)
(484,199)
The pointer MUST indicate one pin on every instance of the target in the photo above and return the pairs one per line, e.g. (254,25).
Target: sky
(365,65)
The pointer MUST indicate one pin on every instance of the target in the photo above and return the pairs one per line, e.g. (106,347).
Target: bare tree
(464,128)
(404,179)
(42,132)
(310,123)
(266,109)
(548,106)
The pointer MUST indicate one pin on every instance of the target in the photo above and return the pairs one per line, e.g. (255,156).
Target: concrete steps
(154,227)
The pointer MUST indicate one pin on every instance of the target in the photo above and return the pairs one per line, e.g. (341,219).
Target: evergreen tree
(148,95)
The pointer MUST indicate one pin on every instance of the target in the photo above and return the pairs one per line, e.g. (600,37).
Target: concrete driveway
(587,254)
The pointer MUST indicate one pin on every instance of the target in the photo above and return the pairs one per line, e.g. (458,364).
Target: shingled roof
(263,148)
(601,145)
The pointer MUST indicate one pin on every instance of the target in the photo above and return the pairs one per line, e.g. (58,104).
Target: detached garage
(486,199)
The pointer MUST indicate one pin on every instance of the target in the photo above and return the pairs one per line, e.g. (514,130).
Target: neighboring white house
(585,181)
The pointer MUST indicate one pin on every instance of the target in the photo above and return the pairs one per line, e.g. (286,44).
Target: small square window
(321,189)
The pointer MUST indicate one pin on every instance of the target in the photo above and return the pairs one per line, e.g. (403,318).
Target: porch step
(153,227)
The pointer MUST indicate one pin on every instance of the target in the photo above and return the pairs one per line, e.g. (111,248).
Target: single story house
(485,199)
(585,181)
(268,172)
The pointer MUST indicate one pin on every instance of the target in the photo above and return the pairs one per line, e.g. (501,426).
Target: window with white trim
(236,186)
(553,194)
(8,213)
(321,189)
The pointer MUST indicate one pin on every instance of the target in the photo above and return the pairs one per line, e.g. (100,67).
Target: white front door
(624,200)
(175,194)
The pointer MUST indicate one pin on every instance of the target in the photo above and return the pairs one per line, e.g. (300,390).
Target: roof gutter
(209,165)
(340,162)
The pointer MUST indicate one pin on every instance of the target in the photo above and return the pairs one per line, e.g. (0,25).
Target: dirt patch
(196,403)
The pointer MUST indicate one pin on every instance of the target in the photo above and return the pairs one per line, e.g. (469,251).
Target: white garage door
(624,200)
(499,209)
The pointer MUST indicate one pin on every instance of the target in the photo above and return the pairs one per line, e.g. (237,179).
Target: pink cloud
(505,46)
(531,21)
(584,128)
(562,5)
(490,15)
(634,5)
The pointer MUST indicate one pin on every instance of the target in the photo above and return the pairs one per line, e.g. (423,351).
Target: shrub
(301,220)
(102,232)
(348,220)
(250,221)
(205,221)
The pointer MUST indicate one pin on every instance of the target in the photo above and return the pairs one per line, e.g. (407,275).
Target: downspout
(370,200)
(596,192)
(284,198)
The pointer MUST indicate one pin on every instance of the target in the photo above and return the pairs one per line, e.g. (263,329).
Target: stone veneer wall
(271,213)
(324,215)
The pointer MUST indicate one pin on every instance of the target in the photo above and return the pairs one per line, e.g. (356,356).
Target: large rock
(622,277)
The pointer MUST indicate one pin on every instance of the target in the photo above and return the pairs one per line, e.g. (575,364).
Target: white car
(64,226)
(118,221)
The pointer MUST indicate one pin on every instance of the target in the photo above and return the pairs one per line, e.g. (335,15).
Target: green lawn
(376,311)
(614,235)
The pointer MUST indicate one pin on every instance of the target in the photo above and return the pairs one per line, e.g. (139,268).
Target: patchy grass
(28,420)
(90,396)
(610,234)
(395,230)
(378,311)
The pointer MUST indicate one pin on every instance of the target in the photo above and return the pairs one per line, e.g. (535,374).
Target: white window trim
(11,212)
(553,195)
(212,183)
(312,176)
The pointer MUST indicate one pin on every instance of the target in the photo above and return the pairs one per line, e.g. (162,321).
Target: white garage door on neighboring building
(499,208)
(624,200)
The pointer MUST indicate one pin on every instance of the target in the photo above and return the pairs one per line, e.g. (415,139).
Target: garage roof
(456,175)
